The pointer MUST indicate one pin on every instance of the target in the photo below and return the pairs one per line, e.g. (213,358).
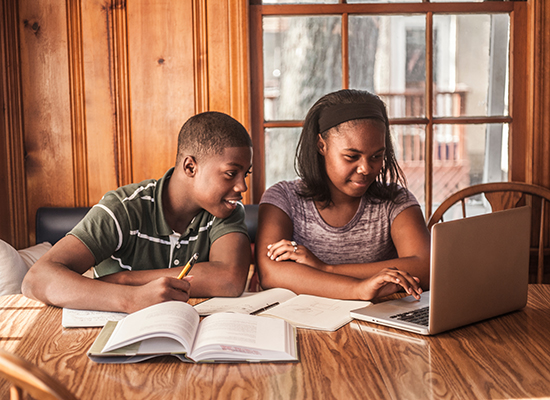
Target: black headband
(338,113)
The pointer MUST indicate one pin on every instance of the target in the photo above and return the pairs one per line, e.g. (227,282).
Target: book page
(88,319)
(172,319)
(245,304)
(247,336)
(313,312)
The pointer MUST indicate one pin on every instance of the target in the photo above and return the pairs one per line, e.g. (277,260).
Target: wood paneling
(47,132)
(200,52)
(228,61)
(541,105)
(94,94)
(77,99)
(521,95)
(101,110)
(160,44)
(540,162)
(13,211)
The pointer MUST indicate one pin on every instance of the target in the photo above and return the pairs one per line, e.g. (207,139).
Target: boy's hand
(285,250)
(158,291)
(389,281)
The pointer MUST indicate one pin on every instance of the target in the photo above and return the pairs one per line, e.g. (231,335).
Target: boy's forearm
(210,279)
(137,278)
(59,286)
(218,279)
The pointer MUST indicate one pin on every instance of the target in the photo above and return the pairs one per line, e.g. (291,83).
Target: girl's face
(354,156)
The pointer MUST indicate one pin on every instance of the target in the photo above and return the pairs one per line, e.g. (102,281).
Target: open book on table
(302,311)
(174,328)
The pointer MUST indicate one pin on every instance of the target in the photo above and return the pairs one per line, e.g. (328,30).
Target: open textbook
(302,311)
(174,328)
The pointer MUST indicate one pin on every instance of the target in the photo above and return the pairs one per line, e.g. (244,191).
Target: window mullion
(257,107)
(429,115)
(345,51)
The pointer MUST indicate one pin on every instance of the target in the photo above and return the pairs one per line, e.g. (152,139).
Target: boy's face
(220,180)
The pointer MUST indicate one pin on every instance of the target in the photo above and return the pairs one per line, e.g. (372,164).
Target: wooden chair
(26,377)
(251,220)
(502,196)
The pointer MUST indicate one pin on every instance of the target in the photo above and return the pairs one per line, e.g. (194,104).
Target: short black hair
(309,163)
(210,133)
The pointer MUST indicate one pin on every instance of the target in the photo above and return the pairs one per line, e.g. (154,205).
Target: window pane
(466,155)
(302,62)
(409,144)
(280,148)
(387,55)
(471,65)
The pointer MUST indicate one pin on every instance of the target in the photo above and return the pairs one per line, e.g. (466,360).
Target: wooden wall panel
(101,91)
(218,43)
(46,105)
(97,28)
(228,62)
(160,36)
(13,211)
(77,100)
(541,104)
(521,95)
(540,162)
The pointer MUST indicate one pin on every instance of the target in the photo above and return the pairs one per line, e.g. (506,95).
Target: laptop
(479,270)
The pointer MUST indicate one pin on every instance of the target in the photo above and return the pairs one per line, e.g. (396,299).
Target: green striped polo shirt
(126,230)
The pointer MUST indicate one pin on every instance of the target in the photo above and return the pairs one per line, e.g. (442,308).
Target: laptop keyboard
(419,316)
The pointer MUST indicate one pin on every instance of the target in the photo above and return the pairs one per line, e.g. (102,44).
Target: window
(442,67)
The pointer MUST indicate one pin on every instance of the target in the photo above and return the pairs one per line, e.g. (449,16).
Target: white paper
(245,304)
(88,319)
(315,312)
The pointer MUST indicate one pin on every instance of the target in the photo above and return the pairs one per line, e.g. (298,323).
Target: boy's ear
(189,166)
(321,145)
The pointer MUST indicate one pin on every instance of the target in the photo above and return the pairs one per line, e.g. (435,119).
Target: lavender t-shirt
(365,239)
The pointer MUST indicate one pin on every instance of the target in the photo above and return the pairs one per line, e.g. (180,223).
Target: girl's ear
(321,145)
(189,166)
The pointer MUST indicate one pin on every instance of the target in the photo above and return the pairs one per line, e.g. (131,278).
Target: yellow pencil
(188,266)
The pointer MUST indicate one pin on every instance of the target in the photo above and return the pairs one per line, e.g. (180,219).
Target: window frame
(518,87)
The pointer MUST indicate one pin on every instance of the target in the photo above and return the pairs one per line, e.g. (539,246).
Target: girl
(347,228)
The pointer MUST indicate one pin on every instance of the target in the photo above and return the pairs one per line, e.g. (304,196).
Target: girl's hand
(287,250)
(389,281)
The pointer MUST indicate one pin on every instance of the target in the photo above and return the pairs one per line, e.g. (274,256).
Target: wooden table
(506,357)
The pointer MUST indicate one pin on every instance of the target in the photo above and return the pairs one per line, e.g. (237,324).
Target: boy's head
(210,133)
(215,153)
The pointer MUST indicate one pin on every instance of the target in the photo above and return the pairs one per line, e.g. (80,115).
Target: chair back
(505,195)
(26,377)
(251,220)
(53,223)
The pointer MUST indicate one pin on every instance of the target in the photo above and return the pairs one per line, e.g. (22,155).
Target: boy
(140,236)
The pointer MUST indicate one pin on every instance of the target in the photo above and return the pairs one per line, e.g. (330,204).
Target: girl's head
(346,146)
